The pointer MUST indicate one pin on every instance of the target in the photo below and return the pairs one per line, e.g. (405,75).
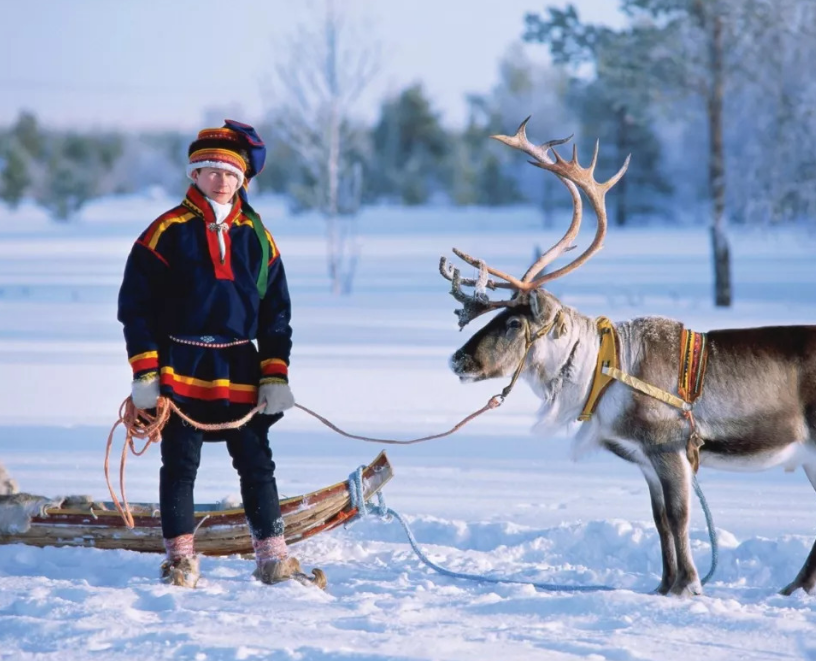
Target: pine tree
(15,178)
(75,172)
(410,146)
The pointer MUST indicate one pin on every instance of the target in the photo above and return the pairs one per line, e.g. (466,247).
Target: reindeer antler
(473,304)
(573,176)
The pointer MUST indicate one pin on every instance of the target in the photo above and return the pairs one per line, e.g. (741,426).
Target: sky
(152,64)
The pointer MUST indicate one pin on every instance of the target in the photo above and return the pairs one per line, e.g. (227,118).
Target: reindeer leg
(667,548)
(674,473)
(806,579)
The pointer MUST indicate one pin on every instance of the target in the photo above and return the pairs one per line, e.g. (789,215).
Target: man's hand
(144,391)
(278,397)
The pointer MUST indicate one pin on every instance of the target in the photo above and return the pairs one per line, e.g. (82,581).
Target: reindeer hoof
(663,588)
(693,589)
(788,590)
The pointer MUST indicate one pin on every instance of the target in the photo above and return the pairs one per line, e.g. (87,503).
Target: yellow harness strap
(607,370)
(648,389)
(607,358)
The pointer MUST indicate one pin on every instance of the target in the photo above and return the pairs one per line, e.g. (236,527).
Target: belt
(207,341)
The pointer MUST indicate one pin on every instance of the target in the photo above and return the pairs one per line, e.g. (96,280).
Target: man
(202,282)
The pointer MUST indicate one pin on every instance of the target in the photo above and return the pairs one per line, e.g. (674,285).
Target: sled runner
(77,521)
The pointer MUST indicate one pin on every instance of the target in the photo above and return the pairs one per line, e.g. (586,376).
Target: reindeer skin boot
(181,567)
(275,565)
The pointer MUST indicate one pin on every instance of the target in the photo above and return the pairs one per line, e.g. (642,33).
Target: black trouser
(252,458)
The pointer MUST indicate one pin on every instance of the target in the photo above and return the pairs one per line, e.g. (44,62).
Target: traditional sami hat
(235,147)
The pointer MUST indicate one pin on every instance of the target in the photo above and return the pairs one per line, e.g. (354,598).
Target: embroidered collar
(197,202)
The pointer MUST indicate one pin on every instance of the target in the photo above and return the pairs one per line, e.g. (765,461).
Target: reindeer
(755,388)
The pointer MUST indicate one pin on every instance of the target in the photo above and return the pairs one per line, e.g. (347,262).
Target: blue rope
(712,533)
(366,508)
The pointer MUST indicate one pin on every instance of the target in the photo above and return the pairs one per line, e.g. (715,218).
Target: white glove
(145,392)
(278,397)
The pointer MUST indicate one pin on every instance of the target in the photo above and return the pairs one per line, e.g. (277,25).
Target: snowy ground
(493,499)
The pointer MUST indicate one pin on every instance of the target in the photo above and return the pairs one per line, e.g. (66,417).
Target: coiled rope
(142,425)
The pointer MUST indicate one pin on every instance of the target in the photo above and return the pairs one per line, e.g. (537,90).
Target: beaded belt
(207,341)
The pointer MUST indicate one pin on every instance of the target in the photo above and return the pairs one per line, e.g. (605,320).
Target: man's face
(219,185)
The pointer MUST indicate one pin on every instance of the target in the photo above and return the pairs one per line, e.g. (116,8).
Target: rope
(365,508)
(144,426)
(712,533)
(141,424)
(493,403)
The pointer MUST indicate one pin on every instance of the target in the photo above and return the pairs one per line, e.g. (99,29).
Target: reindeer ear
(537,306)
(542,308)
(561,325)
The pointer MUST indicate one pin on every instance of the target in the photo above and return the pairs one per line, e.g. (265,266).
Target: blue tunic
(191,316)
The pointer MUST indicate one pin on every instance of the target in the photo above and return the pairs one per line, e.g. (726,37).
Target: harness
(693,362)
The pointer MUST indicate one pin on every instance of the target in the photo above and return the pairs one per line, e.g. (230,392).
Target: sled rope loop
(145,426)
(366,508)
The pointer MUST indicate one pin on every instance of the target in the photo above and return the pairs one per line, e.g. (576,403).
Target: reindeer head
(531,312)
(498,348)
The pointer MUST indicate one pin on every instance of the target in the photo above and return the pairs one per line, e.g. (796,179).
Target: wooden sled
(220,532)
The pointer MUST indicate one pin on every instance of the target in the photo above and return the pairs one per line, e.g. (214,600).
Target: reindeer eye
(513,323)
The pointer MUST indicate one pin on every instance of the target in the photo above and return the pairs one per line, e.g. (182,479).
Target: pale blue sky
(163,63)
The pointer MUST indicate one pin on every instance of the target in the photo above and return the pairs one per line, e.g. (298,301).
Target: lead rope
(493,403)
(712,532)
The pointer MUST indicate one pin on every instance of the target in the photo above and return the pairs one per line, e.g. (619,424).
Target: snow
(492,499)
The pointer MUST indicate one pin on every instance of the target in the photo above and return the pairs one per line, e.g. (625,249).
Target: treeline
(62,170)
(713,99)
(407,157)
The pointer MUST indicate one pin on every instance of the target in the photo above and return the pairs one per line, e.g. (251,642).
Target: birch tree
(772,174)
(718,52)
(326,65)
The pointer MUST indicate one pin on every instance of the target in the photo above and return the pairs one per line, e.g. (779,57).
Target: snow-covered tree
(325,66)
(725,55)
(524,87)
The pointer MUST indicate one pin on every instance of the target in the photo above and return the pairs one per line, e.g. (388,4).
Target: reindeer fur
(757,409)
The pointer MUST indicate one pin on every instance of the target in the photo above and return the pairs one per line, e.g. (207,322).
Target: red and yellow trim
(693,361)
(274,367)
(188,386)
(162,223)
(149,360)
(273,247)
(220,155)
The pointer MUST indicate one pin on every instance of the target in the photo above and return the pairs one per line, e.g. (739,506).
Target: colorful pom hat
(234,147)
